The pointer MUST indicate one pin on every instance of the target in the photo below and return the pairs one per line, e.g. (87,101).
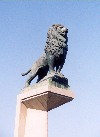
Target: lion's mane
(56,43)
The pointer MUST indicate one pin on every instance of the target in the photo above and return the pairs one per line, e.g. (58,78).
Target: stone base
(33,104)
(56,79)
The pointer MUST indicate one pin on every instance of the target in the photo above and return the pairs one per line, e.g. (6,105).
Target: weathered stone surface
(49,93)
(46,101)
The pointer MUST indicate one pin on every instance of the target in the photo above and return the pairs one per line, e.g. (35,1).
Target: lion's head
(56,40)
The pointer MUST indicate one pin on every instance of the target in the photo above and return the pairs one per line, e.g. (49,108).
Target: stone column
(33,105)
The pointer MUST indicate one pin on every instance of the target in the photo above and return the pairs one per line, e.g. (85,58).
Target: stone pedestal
(33,104)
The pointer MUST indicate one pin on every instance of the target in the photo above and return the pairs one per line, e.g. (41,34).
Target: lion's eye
(60,27)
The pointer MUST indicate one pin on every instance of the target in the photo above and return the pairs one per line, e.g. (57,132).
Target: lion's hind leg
(42,73)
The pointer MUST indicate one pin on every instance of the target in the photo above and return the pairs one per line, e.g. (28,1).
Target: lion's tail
(23,74)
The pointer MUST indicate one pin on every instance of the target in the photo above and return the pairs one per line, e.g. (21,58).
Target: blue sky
(23,28)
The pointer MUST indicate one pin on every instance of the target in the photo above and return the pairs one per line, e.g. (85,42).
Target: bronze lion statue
(54,54)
